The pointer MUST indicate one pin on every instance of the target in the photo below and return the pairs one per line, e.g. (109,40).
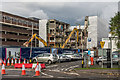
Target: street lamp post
(110,38)
(31,45)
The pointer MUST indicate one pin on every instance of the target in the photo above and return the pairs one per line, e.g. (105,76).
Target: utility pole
(111,51)
(31,46)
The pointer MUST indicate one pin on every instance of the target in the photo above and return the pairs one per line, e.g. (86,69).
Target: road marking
(47,74)
(11,75)
(51,66)
(71,73)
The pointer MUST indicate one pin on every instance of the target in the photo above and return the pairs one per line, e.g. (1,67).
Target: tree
(115,28)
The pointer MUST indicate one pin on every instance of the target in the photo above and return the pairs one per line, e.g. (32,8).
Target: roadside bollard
(27,61)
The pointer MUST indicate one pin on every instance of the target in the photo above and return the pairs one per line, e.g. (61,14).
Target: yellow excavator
(37,37)
(75,29)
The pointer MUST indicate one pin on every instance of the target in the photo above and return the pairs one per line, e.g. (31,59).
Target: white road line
(51,66)
(47,74)
(11,75)
(71,73)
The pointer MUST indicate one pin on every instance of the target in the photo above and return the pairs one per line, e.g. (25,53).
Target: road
(58,70)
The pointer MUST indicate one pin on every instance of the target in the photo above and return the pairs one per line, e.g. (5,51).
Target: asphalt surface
(64,70)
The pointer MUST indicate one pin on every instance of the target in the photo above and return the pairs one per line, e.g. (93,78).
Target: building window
(51,38)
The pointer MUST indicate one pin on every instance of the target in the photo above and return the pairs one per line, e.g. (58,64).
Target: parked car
(115,58)
(45,57)
(78,56)
(73,56)
(62,57)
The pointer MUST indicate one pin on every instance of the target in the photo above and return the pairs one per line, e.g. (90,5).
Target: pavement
(65,70)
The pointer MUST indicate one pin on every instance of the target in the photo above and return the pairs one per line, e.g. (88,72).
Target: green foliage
(115,27)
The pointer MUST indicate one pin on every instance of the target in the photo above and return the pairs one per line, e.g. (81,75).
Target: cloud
(39,14)
(69,12)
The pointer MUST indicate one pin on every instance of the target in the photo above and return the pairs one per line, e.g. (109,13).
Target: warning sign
(102,44)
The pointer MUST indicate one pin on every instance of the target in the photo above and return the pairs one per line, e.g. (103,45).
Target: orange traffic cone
(24,61)
(37,73)
(23,69)
(3,69)
(0,62)
(19,61)
(15,61)
(12,62)
(8,63)
(4,62)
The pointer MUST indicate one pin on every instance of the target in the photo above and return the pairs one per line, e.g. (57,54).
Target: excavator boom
(37,37)
(75,29)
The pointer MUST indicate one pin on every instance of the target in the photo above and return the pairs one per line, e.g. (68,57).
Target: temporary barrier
(23,70)
(30,65)
(3,69)
(42,65)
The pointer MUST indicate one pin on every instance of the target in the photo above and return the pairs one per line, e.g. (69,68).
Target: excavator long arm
(40,39)
(37,37)
(75,29)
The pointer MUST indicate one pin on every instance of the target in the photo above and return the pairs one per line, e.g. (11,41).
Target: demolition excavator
(74,30)
(37,37)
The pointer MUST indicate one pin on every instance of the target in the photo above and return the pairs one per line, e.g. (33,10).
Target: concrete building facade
(97,29)
(53,32)
(15,30)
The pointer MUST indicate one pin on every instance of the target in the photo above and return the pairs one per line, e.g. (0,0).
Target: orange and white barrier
(12,62)
(8,62)
(23,69)
(3,69)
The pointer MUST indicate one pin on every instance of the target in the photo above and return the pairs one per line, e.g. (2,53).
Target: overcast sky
(70,12)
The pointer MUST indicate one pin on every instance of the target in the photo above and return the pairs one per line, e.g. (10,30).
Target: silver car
(46,58)
(62,57)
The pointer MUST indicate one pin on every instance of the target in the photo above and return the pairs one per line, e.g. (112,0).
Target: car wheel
(100,63)
(34,61)
(49,62)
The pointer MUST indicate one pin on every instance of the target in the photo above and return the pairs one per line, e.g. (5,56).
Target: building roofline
(18,16)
